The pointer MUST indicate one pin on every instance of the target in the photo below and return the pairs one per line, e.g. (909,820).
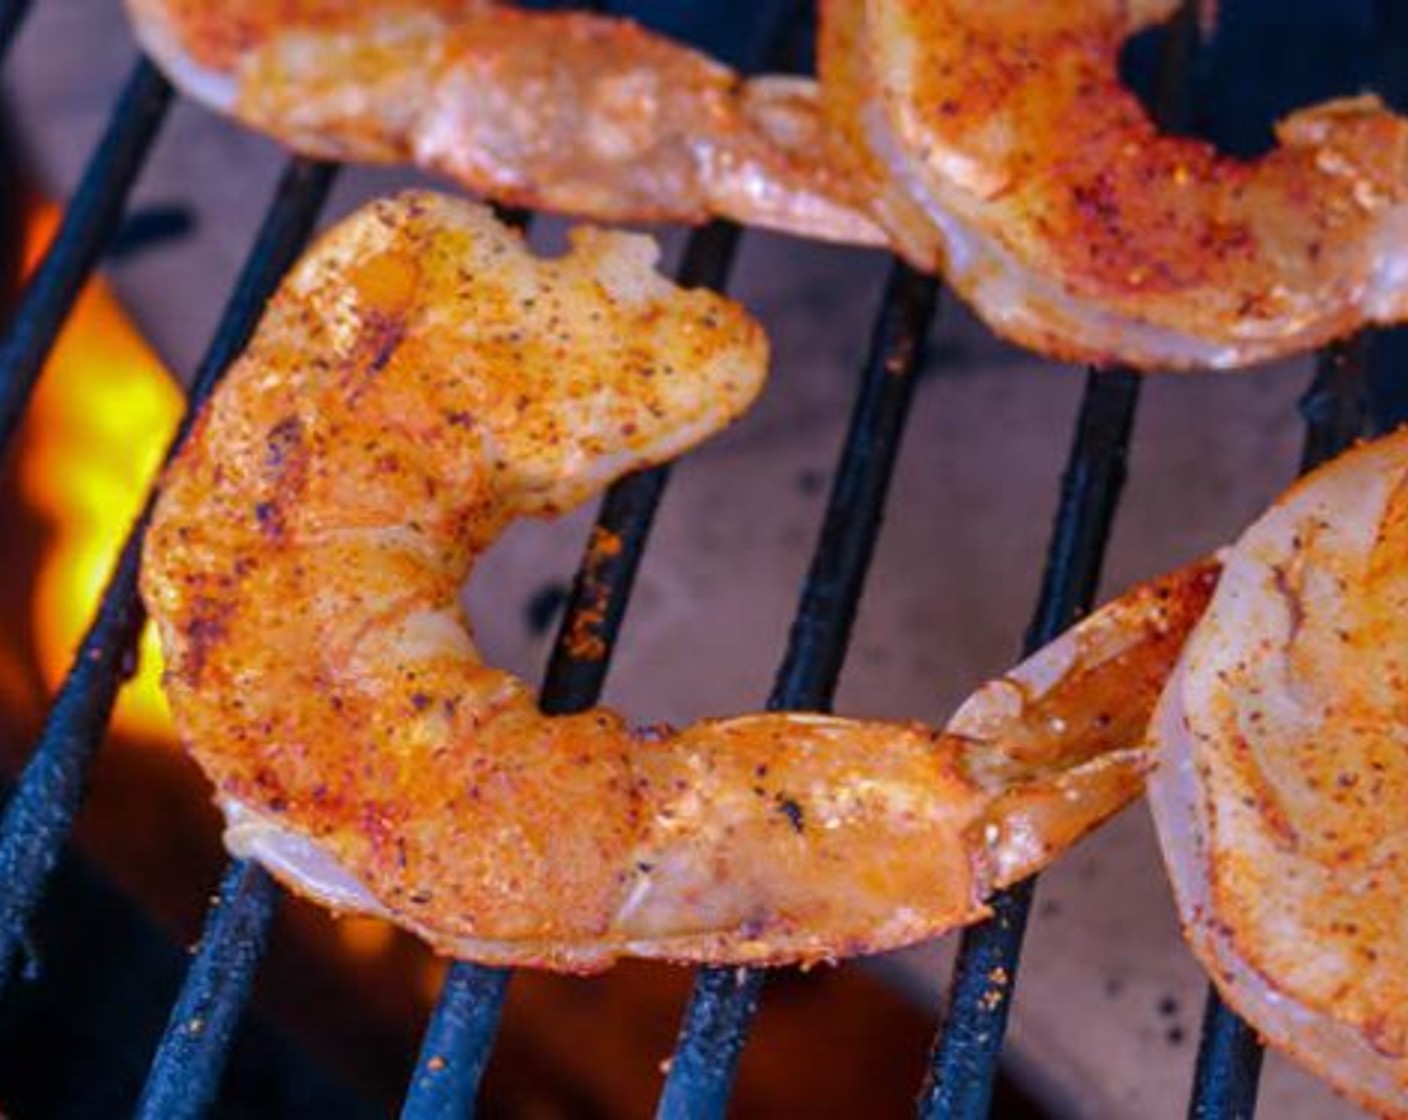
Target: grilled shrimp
(1283,775)
(419,381)
(562,111)
(1001,147)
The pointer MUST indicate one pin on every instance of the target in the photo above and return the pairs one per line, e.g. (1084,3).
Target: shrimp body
(1000,145)
(419,381)
(990,140)
(564,111)
(1283,775)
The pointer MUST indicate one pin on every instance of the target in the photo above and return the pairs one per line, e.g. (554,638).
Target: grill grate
(461,1034)
(88,225)
(724,999)
(185,1074)
(40,813)
(184,1077)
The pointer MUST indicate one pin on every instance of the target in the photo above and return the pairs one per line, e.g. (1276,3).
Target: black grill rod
(12,13)
(1228,1073)
(460,1036)
(185,1072)
(40,813)
(964,1064)
(89,221)
(724,1000)
(963,1067)
(472,996)
(1336,411)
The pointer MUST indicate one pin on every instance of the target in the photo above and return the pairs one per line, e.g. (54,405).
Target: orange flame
(101,416)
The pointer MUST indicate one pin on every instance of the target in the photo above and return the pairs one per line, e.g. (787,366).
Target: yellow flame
(101,417)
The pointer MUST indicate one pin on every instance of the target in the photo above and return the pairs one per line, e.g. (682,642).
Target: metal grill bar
(1335,407)
(89,221)
(724,1000)
(40,813)
(964,1065)
(601,590)
(457,1044)
(185,1073)
(190,1058)
(12,13)
(460,1036)
(1229,1066)
(1336,412)
(963,1068)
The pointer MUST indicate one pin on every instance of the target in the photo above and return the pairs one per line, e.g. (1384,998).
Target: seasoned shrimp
(421,380)
(1283,775)
(1002,148)
(562,111)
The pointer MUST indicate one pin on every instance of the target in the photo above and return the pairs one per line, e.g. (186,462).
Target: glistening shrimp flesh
(1283,775)
(569,111)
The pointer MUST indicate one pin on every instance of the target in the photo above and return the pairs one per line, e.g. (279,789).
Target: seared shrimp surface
(562,111)
(990,139)
(1003,148)
(1282,780)
(419,381)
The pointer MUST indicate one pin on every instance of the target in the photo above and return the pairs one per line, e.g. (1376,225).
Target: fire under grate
(184,1076)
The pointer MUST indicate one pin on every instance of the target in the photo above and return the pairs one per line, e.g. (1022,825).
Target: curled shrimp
(1001,146)
(564,111)
(421,380)
(1282,776)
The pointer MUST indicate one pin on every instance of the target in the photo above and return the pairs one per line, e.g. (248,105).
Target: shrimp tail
(1062,740)
(782,837)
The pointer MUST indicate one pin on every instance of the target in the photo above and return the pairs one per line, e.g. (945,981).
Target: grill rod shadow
(724,1000)
(1336,411)
(458,1041)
